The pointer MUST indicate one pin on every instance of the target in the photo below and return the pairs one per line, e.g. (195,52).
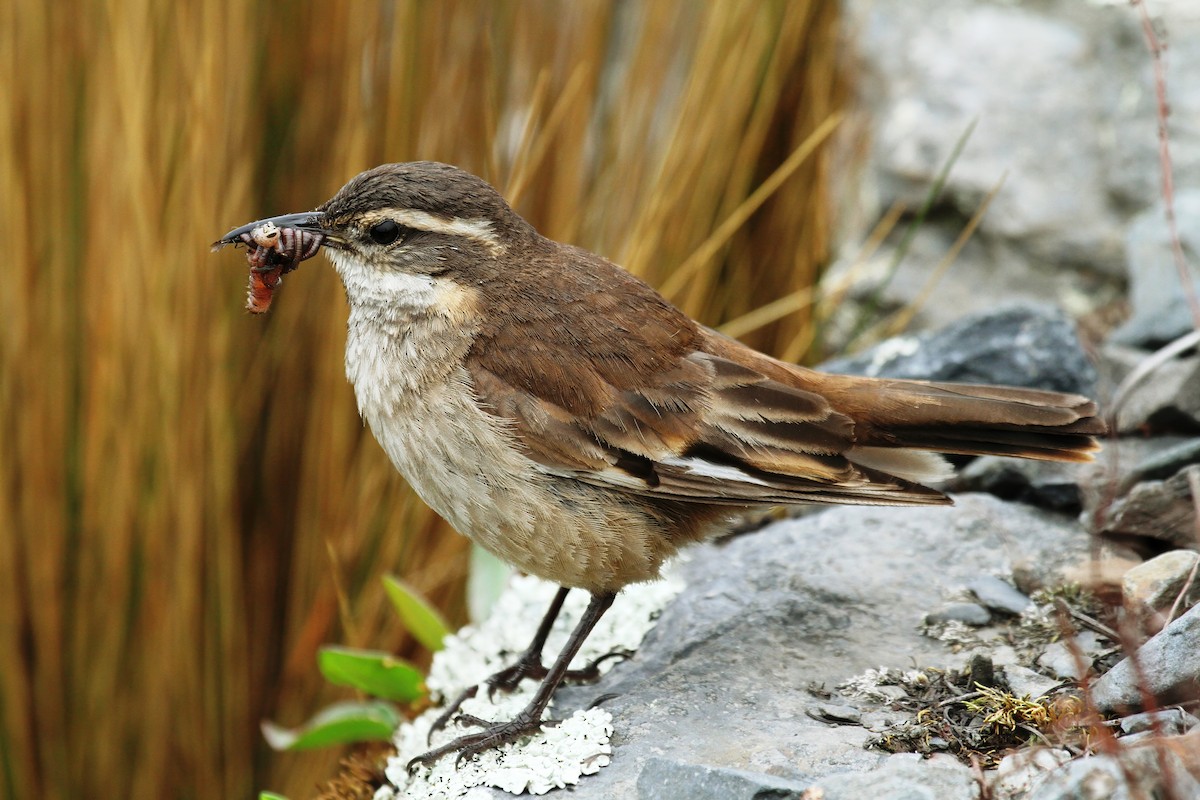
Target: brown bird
(562,414)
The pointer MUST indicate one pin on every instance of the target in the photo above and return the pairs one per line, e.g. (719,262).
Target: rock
(1024,682)
(812,601)
(1168,662)
(904,776)
(1160,310)
(1168,457)
(915,52)
(998,595)
(1166,401)
(1059,660)
(662,779)
(1186,748)
(1046,484)
(1106,777)
(1168,721)
(967,613)
(1026,345)
(838,713)
(1095,132)
(1163,511)
(1123,463)
(1005,655)
(1019,773)
(1150,589)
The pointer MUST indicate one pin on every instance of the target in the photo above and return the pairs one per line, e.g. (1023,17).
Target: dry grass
(179,481)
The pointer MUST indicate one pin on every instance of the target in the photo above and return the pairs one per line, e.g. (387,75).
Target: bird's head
(398,231)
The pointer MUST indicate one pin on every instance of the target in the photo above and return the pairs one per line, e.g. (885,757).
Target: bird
(563,415)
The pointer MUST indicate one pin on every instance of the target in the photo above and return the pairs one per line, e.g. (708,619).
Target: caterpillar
(274,252)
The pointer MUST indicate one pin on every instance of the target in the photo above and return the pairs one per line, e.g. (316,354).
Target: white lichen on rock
(557,756)
(868,684)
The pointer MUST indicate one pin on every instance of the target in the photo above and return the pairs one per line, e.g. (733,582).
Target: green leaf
(340,723)
(371,671)
(421,619)
(270,796)
(486,580)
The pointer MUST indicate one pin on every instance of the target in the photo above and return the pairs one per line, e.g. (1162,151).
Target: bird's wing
(718,433)
(617,390)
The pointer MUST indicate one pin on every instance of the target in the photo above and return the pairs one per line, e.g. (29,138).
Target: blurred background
(189,504)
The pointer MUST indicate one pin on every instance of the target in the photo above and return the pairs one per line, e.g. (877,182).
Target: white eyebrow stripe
(479,230)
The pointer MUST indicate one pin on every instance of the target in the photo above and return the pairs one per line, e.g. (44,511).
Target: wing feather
(715,433)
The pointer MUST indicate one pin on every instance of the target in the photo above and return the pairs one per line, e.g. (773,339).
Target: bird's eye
(385,232)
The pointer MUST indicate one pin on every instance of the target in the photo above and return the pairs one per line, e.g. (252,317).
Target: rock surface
(1161,312)
(1134,774)
(1045,484)
(1164,511)
(1166,402)
(1022,345)
(1168,663)
(1151,589)
(722,680)
(998,595)
(1080,206)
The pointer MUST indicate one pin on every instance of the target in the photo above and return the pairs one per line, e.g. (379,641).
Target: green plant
(390,683)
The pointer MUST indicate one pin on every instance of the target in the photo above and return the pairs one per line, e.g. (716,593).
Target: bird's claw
(473,744)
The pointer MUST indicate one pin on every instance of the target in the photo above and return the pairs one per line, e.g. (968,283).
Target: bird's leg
(529,720)
(529,665)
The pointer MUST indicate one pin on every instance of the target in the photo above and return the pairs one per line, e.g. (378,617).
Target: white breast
(407,340)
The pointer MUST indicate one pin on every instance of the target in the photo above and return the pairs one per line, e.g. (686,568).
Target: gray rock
(1026,345)
(720,681)
(967,613)
(662,779)
(1163,511)
(902,777)
(1123,463)
(938,69)
(1018,773)
(837,713)
(998,595)
(1024,682)
(1059,660)
(1046,484)
(1080,158)
(1168,457)
(1167,721)
(1168,663)
(1150,589)
(1160,310)
(1167,401)
(1107,777)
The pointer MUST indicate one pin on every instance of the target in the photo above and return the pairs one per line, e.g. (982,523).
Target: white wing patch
(918,466)
(707,469)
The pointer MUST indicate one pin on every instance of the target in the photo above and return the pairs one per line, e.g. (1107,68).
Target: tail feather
(973,420)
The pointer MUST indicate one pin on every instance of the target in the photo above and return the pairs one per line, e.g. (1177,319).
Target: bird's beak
(309,221)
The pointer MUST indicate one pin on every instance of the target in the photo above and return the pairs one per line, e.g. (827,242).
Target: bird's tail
(969,419)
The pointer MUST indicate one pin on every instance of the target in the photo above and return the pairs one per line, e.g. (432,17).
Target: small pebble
(998,595)
(1024,682)
(1060,661)
(838,712)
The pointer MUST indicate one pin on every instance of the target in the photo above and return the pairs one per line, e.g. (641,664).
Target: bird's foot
(506,680)
(494,735)
(509,678)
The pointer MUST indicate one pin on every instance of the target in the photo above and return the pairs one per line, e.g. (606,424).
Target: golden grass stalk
(179,483)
